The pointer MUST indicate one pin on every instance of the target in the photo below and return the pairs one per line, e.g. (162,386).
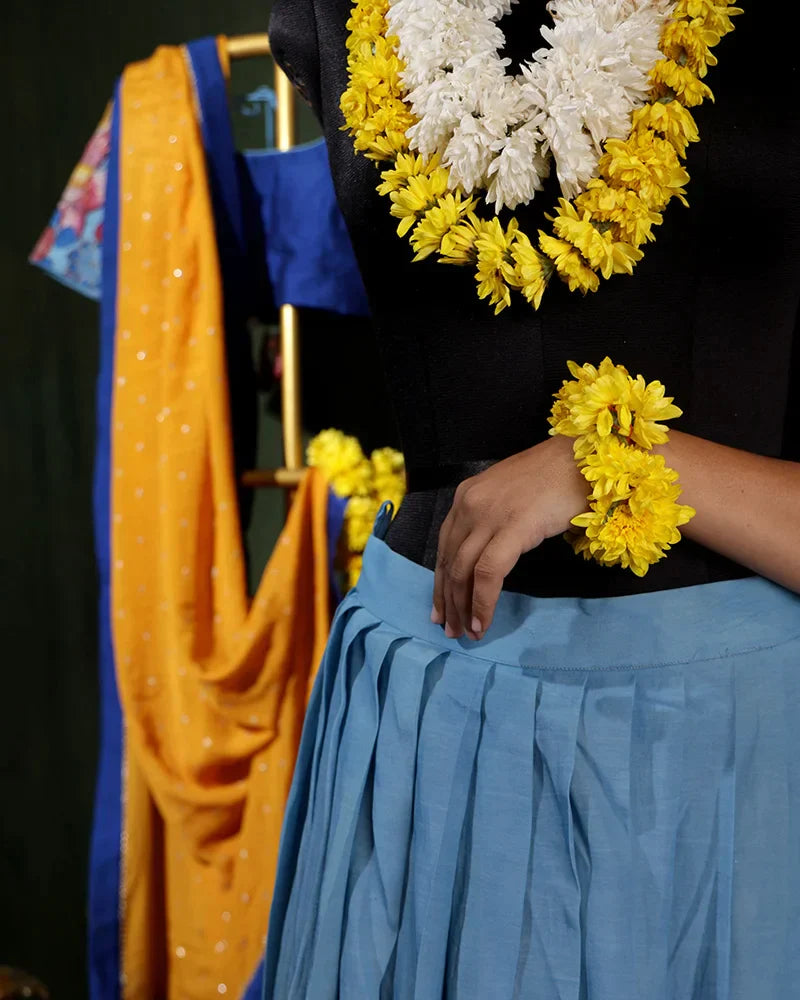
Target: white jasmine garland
(500,133)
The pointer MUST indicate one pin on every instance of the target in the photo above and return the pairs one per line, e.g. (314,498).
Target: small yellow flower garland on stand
(367,482)
(601,231)
(633,515)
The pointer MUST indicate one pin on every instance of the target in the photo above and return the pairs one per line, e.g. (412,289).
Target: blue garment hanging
(276,215)
(309,256)
(284,201)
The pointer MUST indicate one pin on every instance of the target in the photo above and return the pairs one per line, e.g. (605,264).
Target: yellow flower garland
(367,482)
(633,515)
(598,233)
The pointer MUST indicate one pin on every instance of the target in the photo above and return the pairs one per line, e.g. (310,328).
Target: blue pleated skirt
(598,801)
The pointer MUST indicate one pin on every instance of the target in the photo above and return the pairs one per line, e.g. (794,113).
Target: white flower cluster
(497,132)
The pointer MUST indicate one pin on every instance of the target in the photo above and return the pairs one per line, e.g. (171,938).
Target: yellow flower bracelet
(633,515)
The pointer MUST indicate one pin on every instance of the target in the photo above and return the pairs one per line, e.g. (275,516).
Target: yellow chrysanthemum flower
(715,17)
(374,111)
(605,401)
(340,458)
(580,543)
(600,406)
(615,469)
(649,405)
(386,147)
(629,533)
(389,476)
(387,462)
(631,219)
(684,42)
(587,372)
(377,145)
(392,117)
(581,376)
(561,414)
(459,245)
(671,120)
(367,21)
(421,193)
(578,230)
(634,515)
(600,250)
(405,166)
(437,222)
(331,450)
(495,264)
(671,79)
(570,264)
(647,164)
(532,269)
(375,71)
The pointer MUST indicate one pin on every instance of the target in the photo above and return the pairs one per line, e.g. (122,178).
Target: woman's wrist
(571,489)
(748,505)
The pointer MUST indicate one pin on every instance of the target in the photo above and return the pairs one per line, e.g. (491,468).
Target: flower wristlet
(633,515)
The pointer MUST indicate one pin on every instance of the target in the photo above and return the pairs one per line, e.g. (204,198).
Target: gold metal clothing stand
(287,477)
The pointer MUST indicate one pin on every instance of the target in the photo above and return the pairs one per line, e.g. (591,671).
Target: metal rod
(284,113)
(286,478)
(290,333)
(244,46)
(290,389)
(289,477)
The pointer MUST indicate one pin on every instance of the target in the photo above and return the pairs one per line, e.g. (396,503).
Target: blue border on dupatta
(105,852)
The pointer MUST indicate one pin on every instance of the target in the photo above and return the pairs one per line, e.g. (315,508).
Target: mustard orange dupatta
(213,688)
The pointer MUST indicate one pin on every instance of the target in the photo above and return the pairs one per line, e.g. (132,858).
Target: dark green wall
(59,63)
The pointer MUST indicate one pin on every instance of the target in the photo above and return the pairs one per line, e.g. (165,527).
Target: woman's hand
(497,516)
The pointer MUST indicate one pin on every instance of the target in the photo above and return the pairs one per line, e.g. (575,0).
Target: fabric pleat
(522,819)
(377,896)
(501,822)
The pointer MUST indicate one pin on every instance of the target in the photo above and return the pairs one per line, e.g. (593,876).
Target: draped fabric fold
(213,686)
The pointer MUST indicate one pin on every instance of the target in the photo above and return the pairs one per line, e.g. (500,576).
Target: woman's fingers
(458,583)
(455,528)
(495,562)
(438,613)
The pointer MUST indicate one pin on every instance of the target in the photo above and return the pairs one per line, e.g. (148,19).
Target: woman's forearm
(748,506)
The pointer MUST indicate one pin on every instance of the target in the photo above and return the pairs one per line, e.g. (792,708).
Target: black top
(711,310)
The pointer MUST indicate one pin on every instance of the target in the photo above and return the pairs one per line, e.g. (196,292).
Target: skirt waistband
(669,627)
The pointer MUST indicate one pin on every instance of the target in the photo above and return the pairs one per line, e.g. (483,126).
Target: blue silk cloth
(276,211)
(598,801)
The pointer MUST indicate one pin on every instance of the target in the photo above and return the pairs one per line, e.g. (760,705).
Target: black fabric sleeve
(791,432)
(295,46)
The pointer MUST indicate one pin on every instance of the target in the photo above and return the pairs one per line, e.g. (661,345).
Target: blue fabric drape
(105,855)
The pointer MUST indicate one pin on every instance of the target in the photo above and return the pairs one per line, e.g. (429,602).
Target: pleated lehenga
(599,801)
